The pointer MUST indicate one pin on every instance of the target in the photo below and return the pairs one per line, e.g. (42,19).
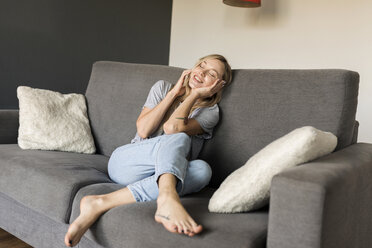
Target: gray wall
(51,44)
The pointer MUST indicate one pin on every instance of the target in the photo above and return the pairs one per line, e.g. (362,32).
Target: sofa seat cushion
(134,224)
(47,181)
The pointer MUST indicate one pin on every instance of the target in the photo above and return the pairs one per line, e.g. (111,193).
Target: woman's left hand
(209,91)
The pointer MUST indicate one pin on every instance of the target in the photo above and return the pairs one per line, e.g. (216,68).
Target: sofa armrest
(355,133)
(9,123)
(324,203)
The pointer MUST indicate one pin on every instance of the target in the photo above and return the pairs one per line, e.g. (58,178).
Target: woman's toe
(197,229)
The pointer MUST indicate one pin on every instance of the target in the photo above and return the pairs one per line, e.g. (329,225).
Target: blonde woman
(161,161)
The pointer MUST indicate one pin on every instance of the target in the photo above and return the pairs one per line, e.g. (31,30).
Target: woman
(160,163)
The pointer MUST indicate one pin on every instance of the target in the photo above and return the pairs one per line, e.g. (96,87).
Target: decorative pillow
(50,120)
(248,187)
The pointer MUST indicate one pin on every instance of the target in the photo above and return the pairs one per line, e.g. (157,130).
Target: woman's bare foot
(90,210)
(93,206)
(173,215)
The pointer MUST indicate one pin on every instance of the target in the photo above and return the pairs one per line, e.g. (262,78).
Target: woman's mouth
(197,79)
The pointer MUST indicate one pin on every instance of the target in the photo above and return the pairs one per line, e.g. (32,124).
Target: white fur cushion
(50,120)
(248,187)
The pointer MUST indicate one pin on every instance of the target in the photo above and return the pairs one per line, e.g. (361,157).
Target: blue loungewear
(139,164)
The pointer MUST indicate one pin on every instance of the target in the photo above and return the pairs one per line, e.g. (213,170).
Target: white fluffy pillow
(248,187)
(50,120)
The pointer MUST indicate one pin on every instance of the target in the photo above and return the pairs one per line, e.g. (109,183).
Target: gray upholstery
(126,224)
(8,126)
(264,105)
(355,133)
(47,181)
(115,95)
(35,228)
(324,203)
(259,107)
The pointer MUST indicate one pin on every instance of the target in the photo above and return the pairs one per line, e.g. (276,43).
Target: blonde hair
(207,102)
(216,98)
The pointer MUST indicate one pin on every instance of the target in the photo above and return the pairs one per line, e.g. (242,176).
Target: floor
(9,241)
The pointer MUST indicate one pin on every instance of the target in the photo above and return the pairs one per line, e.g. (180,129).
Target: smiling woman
(161,161)
(208,70)
(205,73)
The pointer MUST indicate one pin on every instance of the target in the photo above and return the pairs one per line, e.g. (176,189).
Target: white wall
(281,34)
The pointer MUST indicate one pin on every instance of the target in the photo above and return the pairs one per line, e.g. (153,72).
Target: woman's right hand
(179,89)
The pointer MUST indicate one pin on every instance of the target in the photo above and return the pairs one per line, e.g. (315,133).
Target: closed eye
(210,73)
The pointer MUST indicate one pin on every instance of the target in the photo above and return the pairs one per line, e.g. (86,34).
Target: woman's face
(206,73)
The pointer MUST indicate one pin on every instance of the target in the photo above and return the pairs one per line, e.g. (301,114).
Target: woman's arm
(192,127)
(150,119)
(176,125)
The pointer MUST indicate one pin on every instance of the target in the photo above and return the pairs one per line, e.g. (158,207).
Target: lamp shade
(243,3)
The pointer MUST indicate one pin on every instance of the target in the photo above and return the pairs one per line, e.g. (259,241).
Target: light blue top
(207,117)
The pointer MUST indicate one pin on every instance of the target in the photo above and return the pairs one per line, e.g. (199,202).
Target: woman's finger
(222,83)
(214,85)
(182,78)
(185,72)
(218,84)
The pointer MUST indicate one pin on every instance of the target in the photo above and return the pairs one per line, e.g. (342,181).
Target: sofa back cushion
(263,105)
(260,106)
(115,96)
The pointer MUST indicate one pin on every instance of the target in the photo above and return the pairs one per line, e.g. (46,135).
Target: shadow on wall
(272,13)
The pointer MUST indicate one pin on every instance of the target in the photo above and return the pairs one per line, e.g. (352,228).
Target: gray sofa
(323,203)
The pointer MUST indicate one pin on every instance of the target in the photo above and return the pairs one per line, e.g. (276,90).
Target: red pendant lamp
(243,3)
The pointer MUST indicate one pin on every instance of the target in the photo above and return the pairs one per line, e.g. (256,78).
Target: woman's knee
(122,173)
(174,146)
(182,137)
(201,171)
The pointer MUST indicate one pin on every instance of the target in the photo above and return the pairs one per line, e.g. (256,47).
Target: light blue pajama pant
(139,165)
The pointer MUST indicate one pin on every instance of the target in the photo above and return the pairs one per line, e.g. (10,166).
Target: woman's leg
(127,164)
(171,154)
(170,174)
(169,157)
(173,175)
(170,211)
(91,207)
(134,162)
(198,175)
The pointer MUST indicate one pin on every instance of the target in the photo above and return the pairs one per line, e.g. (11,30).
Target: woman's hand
(179,89)
(205,92)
